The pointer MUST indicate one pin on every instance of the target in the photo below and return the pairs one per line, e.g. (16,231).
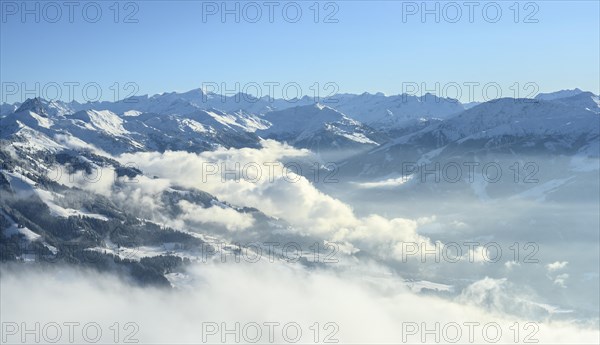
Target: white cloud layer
(258,178)
(359,311)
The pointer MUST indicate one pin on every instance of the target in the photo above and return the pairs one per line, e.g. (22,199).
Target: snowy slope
(197,121)
(520,118)
(558,94)
(389,112)
(103,120)
(319,125)
(521,127)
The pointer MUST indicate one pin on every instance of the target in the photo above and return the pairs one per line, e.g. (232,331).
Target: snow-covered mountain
(196,121)
(389,113)
(198,130)
(582,100)
(47,123)
(512,118)
(43,219)
(567,126)
(140,239)
(6,108)
(371,109)
(558,94)
(318,127)
(183,127)
(174,102)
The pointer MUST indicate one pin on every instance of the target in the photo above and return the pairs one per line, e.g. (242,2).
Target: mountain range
(195,121)
(369,135)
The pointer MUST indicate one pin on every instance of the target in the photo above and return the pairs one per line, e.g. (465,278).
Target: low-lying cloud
(278,191)
(346,306)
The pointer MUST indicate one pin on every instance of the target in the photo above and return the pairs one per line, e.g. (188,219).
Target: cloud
(140,195)
(100,180)
(561,279)
(356,310)
(389,183)
(75,143)
(228,217)
(266,179)
(555,266)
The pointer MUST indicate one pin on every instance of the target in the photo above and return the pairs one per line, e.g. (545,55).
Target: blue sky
(370,48)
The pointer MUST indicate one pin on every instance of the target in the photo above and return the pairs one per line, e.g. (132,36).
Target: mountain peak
(558,94)
(320,106)
(36,105)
